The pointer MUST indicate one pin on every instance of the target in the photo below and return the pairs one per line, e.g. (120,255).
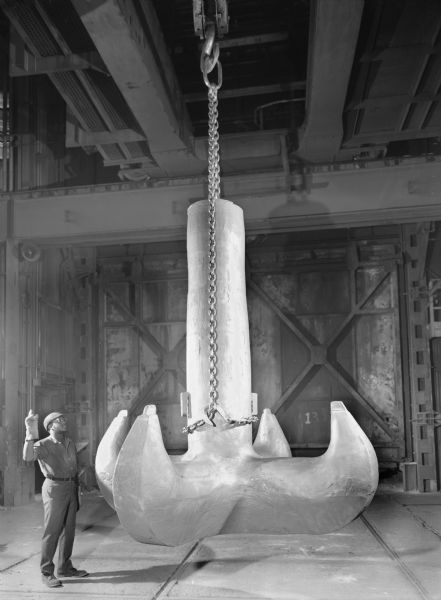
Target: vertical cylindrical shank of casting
(233,352)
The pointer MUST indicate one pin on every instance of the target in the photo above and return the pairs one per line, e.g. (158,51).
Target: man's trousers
(60,502)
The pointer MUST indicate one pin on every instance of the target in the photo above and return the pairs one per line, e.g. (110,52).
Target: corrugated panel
(394,87)
(93,97)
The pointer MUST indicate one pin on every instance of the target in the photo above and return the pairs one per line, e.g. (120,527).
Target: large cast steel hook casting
(224,483)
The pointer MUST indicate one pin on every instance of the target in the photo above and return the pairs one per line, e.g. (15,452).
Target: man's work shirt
(56,459)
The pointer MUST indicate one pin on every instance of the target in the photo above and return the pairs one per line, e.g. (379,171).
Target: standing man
(57,457)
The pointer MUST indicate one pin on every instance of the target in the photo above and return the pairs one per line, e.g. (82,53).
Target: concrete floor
(393,551)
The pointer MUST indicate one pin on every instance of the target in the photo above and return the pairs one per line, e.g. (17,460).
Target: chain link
(210,59)
(213,196)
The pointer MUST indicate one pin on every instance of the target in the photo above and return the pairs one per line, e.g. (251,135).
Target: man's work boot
(72,572)
(51,581)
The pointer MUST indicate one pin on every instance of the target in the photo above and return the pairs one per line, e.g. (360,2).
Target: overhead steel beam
(36,65)
(395,93)
(93,111)
(406,192)
(255,90)
(136,57)
(397,100)
(94,93)
(334,28)
(385,137)
(79,137)
(252,40)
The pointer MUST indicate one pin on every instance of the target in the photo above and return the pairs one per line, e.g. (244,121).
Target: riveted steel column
(414,246)
(16,478)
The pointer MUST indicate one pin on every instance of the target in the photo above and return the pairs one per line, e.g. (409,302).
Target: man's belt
(52,478)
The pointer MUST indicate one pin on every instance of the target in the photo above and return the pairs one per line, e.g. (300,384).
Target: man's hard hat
(51,417)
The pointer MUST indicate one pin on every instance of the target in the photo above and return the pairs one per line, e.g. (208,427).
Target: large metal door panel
(266,352)
(144,350)
(122,369)
(335,327)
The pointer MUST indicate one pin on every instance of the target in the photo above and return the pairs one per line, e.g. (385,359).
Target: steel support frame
(168,358)
(414,240)
(16,477)
(324,356)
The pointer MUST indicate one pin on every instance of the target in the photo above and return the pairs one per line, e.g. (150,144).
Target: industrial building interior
(330,141)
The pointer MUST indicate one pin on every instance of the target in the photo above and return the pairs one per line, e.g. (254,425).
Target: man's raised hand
(31,424)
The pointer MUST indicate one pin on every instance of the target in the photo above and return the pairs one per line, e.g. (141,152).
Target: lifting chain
(209,60)
(213,196)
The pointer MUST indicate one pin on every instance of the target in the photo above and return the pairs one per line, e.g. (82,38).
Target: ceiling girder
(137,114)
(375,137)
(397,77)
(334,29)
(35,65)
(251,40)
(81,138)
(256,90)
(142,69)
(84,100)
